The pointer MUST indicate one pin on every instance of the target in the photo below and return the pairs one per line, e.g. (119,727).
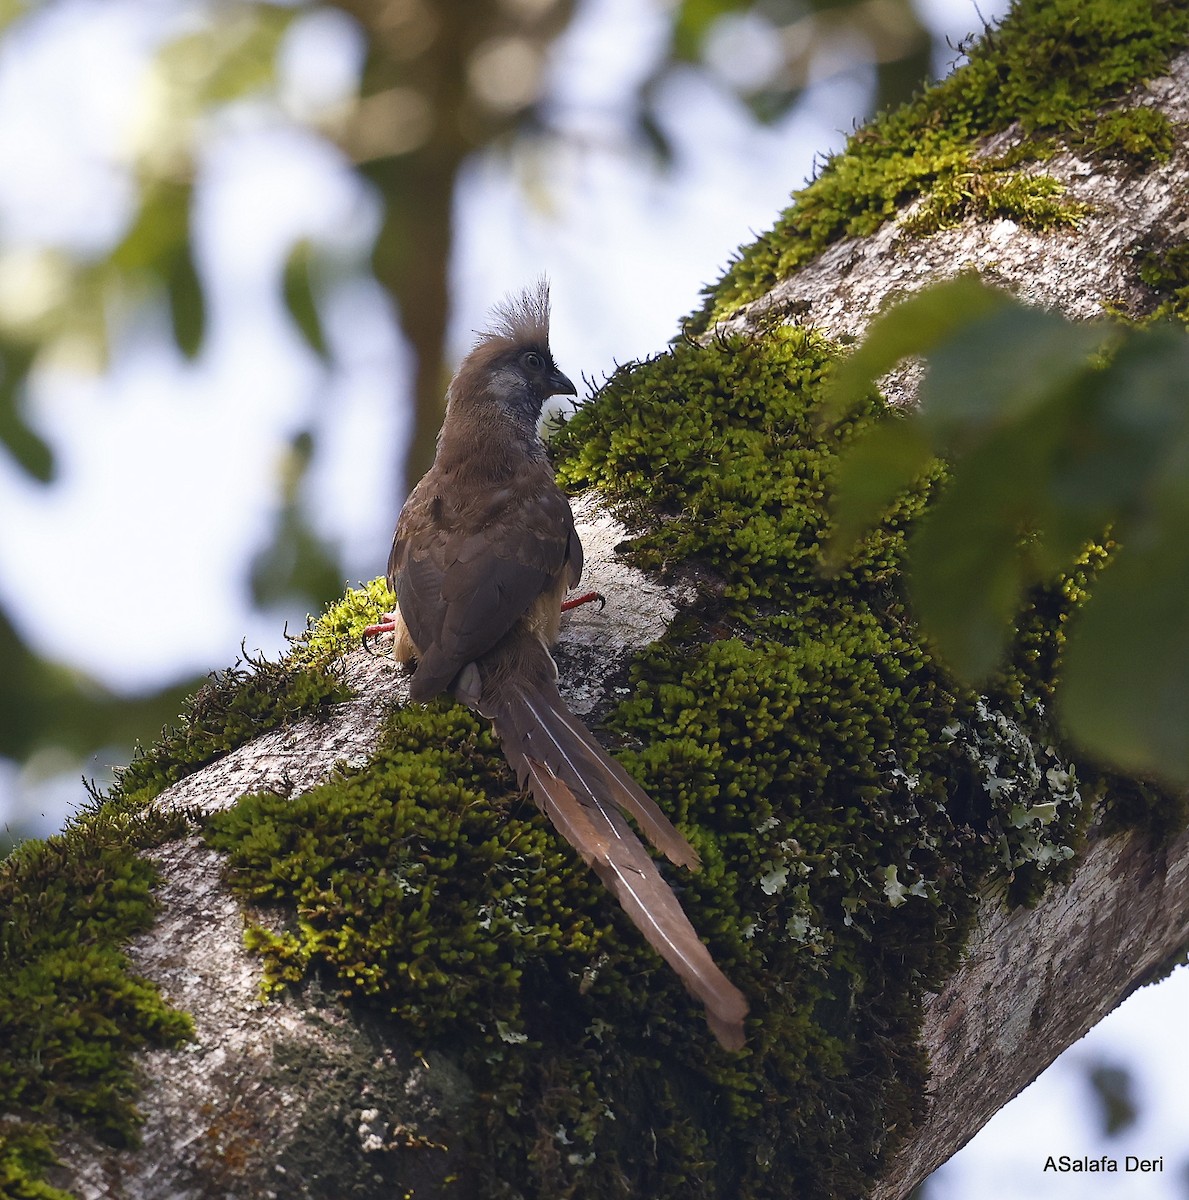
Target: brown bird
(484,553)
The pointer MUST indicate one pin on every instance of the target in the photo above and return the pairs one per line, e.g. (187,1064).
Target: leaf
(31,452)
(225,60)
(1055,432)
(872,472)
(1045,451)
(1000,366)
(694,19)
(187,304)
(913,327)
(1125,695)
(298,291)
(162,223)
(996,529)
(966,571)
(159,245)
(1133,412)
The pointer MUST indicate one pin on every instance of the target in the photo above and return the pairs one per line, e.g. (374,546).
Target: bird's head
(511,363)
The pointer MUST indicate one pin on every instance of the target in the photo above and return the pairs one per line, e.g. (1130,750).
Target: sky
(170,468)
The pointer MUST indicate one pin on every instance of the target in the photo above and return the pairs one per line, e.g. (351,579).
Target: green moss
(26,1153)
(1138,135)
(351,1088)
(340,628)
(371,861)
(1166,272)
(71,1009)
(1050,67)
(723,442)
(1036,201)
(1027,683)
(235,706)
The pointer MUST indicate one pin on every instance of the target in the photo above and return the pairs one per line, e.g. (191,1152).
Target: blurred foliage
(44,703)
(768,50)
(1057,435)
(439,82)
(296,561)
(1113,1090)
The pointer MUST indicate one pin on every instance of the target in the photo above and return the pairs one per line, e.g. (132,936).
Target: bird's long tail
(585,792)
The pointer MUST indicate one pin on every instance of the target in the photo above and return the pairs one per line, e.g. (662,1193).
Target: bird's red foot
(585,598)
(386,624)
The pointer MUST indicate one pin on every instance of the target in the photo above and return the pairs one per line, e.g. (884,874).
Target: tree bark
(1036,980)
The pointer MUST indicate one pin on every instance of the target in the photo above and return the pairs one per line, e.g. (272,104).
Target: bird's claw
(386,624)
(585,598)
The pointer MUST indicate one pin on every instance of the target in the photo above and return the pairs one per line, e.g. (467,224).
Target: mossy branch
(890,859)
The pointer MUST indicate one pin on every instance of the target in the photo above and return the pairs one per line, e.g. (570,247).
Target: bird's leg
(585,598)
(386,624)
(403,650)
(388,621)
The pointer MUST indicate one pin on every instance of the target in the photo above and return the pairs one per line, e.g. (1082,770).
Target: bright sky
(132,567)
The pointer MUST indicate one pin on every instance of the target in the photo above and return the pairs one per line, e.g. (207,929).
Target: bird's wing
(464,576)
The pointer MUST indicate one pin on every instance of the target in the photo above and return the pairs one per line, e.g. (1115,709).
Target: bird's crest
(522,319)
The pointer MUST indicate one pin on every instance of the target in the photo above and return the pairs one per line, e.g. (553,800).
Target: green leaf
(1133,411)
(31,452)
(227,59)
(913,327)
(872,472)
(694,20)
(187,304)
(158,245)
(1125,695)
(1046,451)
(966,572)
(162,224)
(990,535)
(1000,366)
(1126,689)
(298,290)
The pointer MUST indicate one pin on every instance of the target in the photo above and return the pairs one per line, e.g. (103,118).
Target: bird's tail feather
(554,735)
(582,790)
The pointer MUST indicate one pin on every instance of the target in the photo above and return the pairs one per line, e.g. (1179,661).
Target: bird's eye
(533,361)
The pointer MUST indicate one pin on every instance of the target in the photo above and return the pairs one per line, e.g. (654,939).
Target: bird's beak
(560,385)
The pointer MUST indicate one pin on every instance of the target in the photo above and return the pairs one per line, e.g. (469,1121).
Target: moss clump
(417,888)
(723,441)
(71,1010)
(750,498)
(1036,201)
(1166,272)
(1050,66)
(1138,136)
(340,628)
(356,1088)
(26,1153)
(403,881)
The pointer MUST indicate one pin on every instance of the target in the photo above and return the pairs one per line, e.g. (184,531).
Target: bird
(484,553)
